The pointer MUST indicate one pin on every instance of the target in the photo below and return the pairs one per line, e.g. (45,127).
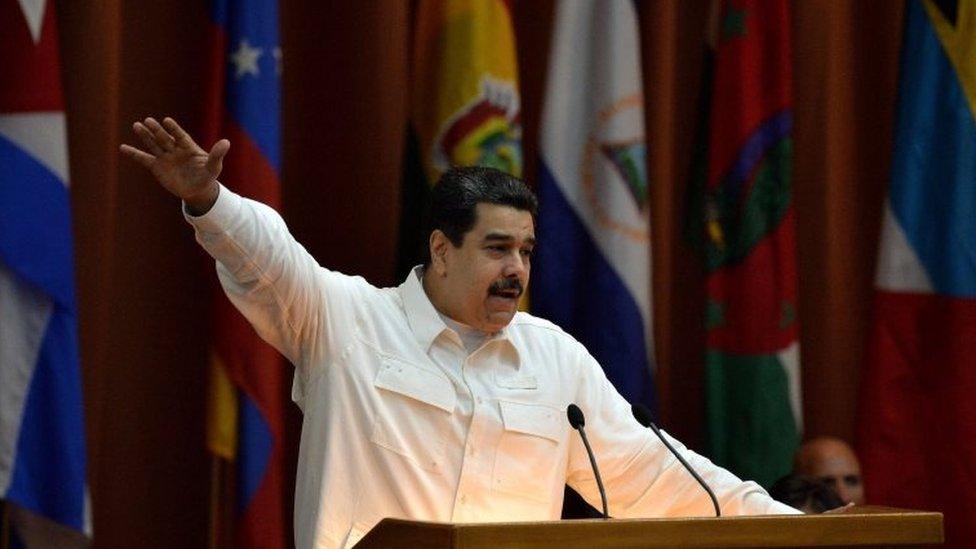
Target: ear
(438,252)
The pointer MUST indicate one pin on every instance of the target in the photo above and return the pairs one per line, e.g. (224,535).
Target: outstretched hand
(178,163)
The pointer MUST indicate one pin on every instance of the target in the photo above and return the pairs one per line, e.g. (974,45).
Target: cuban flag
(42,444)
(917,421)
(592,271)
(246,423)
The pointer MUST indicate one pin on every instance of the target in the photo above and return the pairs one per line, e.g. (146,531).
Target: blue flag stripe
(933,186)
(35,225)
(254,100)
(49,466)
(255,443)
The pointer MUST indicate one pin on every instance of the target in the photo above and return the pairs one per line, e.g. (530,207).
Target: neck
(438,298)
(435,293)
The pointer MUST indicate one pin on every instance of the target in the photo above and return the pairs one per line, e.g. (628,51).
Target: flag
(917,420)
(464,105)
(741,214)
(592,268)
(42,443)
(246,421)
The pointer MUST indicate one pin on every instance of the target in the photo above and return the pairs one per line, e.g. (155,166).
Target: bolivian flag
(464,104)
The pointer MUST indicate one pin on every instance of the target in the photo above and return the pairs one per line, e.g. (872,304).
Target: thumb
(215,159)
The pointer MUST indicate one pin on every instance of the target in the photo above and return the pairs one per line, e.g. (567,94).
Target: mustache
(504,285)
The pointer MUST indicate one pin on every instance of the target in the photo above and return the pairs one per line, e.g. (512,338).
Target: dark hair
(802,491)
(460,190)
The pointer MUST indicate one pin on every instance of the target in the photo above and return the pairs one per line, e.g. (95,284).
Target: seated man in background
(832,461)
(808,494)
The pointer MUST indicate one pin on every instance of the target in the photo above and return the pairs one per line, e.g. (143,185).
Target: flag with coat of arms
(465,108)
(592,268)
(741,215)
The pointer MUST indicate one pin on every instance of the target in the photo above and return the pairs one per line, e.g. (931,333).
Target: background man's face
(843,475)
(488,273)
(834,462)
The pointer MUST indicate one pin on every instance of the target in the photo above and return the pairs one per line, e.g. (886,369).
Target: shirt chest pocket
(529,455)
(414,410)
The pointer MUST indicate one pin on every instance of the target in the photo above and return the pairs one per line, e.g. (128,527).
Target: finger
(182,138)
(147,138)
(215,159)
(162,138)
(141,157)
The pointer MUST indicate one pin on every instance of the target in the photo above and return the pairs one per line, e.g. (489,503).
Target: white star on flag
(34,14)
(245,59)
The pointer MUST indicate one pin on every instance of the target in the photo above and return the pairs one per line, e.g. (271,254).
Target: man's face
(843,475)
(833,462)
(484,277)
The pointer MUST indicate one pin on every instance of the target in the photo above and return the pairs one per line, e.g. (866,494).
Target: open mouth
(509,294)
(508,288)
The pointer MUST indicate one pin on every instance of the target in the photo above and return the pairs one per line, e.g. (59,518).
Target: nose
(517,265)
(844,493)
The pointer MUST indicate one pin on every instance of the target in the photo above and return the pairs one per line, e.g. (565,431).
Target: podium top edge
(861,512)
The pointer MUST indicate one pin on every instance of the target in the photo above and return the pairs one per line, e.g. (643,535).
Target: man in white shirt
(435,400)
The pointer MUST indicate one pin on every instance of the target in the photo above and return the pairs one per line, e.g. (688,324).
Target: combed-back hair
(460,190)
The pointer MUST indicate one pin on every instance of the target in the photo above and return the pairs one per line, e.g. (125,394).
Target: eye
(526,252)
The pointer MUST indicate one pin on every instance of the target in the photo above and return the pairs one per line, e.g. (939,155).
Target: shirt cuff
(220,215)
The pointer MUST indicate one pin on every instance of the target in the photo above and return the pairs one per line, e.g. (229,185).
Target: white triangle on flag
(899,268)
(34,15)
(42,135)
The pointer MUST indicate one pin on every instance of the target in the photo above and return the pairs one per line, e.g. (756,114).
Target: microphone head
(642,414)
(575,415)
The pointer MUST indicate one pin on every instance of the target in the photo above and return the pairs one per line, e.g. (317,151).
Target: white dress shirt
(400,420)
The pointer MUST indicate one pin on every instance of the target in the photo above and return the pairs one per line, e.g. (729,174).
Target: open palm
(176,161)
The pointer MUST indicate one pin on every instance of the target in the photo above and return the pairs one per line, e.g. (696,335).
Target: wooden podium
(864,526)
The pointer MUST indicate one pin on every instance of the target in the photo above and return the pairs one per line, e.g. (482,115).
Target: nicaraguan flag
(42,446)
(592,273)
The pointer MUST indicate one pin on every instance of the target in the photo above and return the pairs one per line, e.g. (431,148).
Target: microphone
(576,421)
(643,416)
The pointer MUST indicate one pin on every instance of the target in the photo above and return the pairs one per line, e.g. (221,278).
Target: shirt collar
(423,318)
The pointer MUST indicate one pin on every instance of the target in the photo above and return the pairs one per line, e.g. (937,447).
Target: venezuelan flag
(246,420)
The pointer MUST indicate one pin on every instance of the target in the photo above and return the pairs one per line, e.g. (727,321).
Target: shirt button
(480,400)
(464,498)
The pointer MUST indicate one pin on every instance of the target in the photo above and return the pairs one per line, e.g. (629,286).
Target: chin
(497,321)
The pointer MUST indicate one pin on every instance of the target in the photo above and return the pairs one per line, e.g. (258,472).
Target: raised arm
(293,303)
